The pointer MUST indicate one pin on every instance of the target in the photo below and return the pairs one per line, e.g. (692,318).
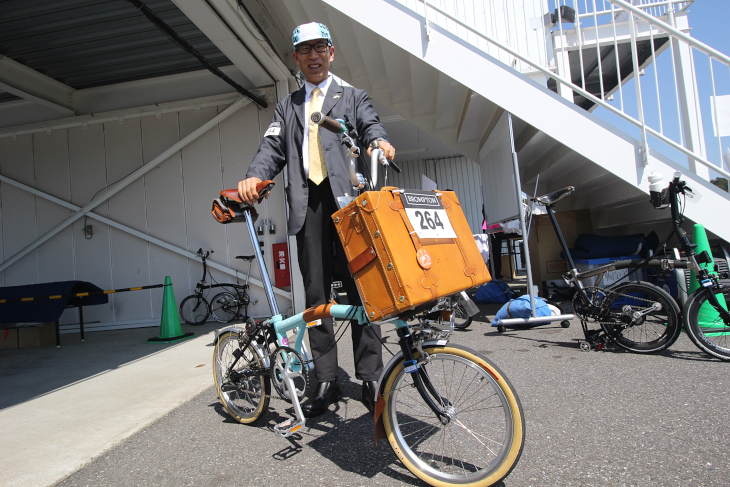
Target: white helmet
(309,32)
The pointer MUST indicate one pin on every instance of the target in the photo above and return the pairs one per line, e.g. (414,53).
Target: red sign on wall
(281,265)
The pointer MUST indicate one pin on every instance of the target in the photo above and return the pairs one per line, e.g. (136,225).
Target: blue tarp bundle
(521,308)
(494,291)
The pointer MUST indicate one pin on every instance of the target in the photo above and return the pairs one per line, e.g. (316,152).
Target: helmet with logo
(310,32)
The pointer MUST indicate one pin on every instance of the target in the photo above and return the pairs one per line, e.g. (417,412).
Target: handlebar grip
(394,166)
(334,126)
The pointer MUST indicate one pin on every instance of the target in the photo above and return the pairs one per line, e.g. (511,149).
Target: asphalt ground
(598,418)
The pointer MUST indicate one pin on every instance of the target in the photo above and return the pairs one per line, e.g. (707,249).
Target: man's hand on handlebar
(388,150)
(247,190)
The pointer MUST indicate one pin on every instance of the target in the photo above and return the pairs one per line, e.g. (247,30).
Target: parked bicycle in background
(225,306)
(637,316)
(706,317)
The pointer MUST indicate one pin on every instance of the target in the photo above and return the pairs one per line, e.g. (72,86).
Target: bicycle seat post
(248,275)
(262,265)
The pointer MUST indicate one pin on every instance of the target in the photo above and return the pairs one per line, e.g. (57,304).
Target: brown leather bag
(401,262)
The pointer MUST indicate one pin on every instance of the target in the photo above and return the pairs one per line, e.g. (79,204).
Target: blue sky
(710,23)
(710,20)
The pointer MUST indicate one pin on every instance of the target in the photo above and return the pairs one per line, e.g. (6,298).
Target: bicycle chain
(271,356)
(578,308)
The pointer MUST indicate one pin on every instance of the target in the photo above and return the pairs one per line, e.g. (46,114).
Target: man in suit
(317,169)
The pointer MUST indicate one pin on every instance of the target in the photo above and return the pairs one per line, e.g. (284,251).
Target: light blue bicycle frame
(297,322)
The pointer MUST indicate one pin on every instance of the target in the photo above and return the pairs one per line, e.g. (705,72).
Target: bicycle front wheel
(704,324)
(482,442)
(194,310)
(224,307)
(641,317)
(244,393)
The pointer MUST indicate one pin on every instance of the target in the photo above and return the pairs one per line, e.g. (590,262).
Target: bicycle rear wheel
(225,307)
(641,317)
(244,393)
(194,310)
(482,442)
(462,319)
(705,326)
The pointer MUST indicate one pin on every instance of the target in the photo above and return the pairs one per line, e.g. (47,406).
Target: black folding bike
(225,306)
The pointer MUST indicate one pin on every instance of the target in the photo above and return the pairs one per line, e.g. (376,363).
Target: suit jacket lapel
(297,99)
(334,94)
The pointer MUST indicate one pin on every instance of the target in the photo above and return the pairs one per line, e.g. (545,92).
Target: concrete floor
(70,404)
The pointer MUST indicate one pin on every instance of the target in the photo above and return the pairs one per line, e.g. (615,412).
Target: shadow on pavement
(32,372)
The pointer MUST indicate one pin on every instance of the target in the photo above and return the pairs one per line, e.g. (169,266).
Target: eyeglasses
(307,48)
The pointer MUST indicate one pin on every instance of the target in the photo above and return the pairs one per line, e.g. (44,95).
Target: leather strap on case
(469,270)
(422,256)
(366,257)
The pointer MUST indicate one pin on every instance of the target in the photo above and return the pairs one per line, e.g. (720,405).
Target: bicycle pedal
(289,427)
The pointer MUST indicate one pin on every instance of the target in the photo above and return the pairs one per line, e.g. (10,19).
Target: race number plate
(426,214)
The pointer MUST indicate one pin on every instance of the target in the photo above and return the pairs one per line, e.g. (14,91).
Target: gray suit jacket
(283,147)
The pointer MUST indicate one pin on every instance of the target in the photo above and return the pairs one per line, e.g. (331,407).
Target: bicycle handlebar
(375,145)
(333,125)
(204,255)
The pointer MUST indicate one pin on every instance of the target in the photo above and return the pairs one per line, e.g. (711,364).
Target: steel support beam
(28,83)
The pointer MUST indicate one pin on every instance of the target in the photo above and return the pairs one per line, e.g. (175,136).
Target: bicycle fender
(379,429)
(240,330)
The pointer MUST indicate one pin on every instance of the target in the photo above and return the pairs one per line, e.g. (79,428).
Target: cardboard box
(36,335)
(506,267)
(8,338)
(544,245)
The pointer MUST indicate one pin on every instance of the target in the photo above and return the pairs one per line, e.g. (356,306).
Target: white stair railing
(667,110)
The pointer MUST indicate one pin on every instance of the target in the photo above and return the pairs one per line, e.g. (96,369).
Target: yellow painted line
(110,291)
(81,295)
(2,301)
(57,296)
(27,299)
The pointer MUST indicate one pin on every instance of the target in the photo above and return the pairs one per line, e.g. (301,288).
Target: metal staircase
(582,116)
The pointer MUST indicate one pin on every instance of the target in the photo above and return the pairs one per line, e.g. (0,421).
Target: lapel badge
(336,95)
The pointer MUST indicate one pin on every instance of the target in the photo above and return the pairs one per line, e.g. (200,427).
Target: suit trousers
(320,252)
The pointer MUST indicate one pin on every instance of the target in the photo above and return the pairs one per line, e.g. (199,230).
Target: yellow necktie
(317,167)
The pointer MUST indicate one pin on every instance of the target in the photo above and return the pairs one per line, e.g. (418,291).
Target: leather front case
(395,271)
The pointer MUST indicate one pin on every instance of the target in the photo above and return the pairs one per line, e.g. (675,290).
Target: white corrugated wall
(172,203)
(456,173)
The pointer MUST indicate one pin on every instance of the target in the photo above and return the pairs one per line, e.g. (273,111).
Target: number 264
(428,222)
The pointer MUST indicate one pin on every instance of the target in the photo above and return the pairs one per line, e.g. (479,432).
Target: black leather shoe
(327,393)
(369,392)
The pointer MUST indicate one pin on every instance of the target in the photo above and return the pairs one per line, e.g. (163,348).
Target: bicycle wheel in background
(244,395)
(705,326)
(224,307)
(481,443)
(194,310)
(641,318)
(462,319)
